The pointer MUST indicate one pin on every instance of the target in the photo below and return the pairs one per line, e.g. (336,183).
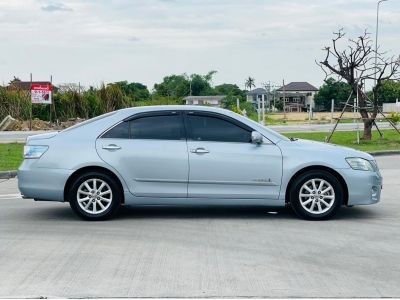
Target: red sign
(41,93)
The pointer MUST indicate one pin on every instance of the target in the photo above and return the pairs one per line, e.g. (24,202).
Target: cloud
(56,6)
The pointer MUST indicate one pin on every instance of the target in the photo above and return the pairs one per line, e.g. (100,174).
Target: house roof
(26,85)
(257,91)
(217,98)
(298,86)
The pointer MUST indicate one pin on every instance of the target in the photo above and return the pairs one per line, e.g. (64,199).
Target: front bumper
(364,187)
(42,183)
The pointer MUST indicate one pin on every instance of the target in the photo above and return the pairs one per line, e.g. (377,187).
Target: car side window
(162,127)
(120,131)
(210,128)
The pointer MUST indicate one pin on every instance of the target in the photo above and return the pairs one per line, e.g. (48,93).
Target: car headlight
(34,151)
(358,163)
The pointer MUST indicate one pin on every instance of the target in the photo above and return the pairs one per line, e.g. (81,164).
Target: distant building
(256,95)
(299,96)
(214,101)
(26,85)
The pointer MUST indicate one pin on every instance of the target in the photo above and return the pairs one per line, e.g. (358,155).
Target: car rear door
(149,150)
(225,164)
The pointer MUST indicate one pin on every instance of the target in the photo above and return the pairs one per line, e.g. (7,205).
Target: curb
(8,174)
(384,152)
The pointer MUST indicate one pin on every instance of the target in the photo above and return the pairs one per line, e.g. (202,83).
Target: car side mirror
(256,138)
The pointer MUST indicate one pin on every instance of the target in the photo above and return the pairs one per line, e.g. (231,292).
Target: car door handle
(199,151)
(111,147)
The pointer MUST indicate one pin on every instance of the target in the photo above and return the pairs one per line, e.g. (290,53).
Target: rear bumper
(364,187)
(42,183)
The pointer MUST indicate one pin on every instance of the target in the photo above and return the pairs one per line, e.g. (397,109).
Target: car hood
(327,147)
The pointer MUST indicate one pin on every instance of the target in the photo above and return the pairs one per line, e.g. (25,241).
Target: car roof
(173,107)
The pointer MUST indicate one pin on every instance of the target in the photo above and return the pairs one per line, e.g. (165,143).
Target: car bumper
(42,183)
(364,187)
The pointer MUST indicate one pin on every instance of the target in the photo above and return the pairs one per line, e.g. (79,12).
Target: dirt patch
(42,125)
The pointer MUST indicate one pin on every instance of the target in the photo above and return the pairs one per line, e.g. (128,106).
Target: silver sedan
(191,155)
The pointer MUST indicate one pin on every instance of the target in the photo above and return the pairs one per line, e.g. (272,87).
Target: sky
(95,41)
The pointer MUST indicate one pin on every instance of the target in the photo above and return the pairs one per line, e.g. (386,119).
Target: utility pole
(284,99)
(30,100)
(51,86)
(376,38)
(263,109)
(332,108)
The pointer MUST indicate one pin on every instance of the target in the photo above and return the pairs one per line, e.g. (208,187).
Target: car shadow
(203,212)
(65,213)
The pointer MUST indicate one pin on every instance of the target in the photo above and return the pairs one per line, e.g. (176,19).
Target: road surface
(46,251)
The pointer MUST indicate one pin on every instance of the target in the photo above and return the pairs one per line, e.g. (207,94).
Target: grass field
(390,141)
(11,154)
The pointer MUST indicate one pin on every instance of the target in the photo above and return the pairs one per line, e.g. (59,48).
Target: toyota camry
(192,155)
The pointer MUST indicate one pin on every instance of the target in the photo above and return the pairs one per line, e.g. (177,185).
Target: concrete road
(45,250)
(20,136)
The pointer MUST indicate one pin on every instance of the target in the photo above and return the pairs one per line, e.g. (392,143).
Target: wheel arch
(318,168)
(86,169)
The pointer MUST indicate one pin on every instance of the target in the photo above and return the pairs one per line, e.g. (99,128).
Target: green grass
(10,156)
(390,141)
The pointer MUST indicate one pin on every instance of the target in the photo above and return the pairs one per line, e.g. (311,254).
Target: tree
(332,89)
(250,82)
(229,90)
(134,90)
(179,86)
(173,86)
(15,79)
(389,91)
(354,64)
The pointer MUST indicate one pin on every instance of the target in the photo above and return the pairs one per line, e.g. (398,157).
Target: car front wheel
(316,195)
(95,196)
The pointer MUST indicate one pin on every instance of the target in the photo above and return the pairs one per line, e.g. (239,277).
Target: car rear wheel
(316,195)
(95,196)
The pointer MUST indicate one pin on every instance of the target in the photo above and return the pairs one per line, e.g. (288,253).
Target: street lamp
(376,37)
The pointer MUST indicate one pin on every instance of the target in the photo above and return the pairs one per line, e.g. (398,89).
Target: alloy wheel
(94,196)
(317,196)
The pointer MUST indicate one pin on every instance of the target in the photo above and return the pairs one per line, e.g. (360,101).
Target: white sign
(41,94)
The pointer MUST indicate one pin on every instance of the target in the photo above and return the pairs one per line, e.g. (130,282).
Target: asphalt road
(20,136)
(45,250)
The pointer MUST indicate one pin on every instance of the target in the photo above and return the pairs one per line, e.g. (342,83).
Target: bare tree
(354,64)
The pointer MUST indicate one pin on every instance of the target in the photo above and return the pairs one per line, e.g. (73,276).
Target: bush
(394,117)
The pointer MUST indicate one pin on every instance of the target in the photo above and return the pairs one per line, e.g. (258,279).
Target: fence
(391,107)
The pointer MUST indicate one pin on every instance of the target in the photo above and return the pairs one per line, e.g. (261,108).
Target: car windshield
(271,131)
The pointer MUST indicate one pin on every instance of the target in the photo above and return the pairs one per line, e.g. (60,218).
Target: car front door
(224,163)
(149,150)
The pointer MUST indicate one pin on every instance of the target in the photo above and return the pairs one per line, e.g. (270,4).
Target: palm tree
(250,82)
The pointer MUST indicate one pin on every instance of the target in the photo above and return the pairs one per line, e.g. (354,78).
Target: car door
(149,150)
(225,164)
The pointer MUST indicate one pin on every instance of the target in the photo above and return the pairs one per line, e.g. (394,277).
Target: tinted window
(207,128)
(158,127)
(121,131)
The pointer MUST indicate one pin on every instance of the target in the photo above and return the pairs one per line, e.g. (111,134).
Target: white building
(214,101)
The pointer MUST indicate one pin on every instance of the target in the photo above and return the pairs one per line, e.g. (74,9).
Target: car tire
(95,196)
(316,195)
